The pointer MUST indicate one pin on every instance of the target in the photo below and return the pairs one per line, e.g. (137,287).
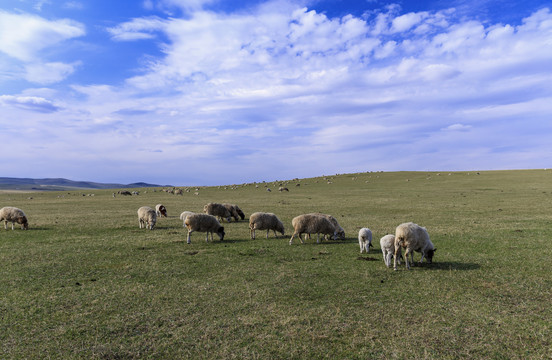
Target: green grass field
(85,282)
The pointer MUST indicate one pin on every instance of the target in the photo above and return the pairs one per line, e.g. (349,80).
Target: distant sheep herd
(409,237)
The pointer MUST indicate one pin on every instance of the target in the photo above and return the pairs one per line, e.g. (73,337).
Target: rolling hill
(60,184)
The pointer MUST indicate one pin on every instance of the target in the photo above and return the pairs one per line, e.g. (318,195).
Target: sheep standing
(333,220)
(413,237)
(365,240)
(232,210)
(184,215)
(160,210)
(387,244)
(217,210)
(13,215)
(265,221)
(312,224)
(147,217)
(239,211)
(204,223)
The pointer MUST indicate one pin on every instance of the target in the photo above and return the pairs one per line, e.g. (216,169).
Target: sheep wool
(413,237)
(204,223)
(387,244)
(312,224)
(13,215)
(160,210)
(147,217)
(265,221)
(365,240)
(217,210)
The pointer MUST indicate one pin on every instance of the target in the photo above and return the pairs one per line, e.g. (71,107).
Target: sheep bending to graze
(240,212)
(413,237)
(387,244)
(312,224)
(365,240)
(265,221)
(217,210)
(233,211)
(333,220)
(184,215)
(160,210)
(204,223)
(13,215)
(147,217)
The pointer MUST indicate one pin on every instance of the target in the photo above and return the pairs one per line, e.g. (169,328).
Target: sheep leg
(189,239)
(291,240)
(317,238)
(397,254)
(13,223)
(406,253)
(362,248)
(6,224)
(207,237)
(367,248)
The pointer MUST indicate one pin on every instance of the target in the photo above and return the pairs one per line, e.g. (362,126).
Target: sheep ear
(434,249)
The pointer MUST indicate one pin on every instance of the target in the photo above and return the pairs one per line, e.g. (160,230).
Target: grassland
(84,282)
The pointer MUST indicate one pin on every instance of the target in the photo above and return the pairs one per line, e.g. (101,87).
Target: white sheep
(387,244)
(333,220)
(233,211)
(204,223)
(365,240)
(413,237)
(217,210)
(13,215)
(312,224)
(184,215)
(265,221)
(160,210)
(147,217)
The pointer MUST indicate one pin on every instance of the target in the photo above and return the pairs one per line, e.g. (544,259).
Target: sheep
(217,210)
(147,217)
(265,221)
(160,210)
(204,223)
(312,223)
(333,220)
(13,215)
(240,212)
(365,240)
(413,237)
(184,215)
(387,244)
(232,209)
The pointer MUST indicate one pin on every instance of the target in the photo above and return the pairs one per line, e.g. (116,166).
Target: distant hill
(7,183)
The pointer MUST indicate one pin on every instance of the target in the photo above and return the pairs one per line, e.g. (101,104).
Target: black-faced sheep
(13,215)
(265,221)
(204,223)
(160,210)
(217,210)
(312,224)
(365,240)
(147,217)
(413,237)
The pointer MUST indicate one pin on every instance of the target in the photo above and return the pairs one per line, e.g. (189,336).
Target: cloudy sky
(208,92)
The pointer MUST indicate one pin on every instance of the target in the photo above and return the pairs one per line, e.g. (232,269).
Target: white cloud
(457,127)
(407,21)
(137,29)
(22,36)
(48,73)
(31,103)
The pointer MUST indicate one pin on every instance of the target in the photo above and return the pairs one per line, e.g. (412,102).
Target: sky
(214,92)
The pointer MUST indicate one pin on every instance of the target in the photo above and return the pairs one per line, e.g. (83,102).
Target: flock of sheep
(408,236)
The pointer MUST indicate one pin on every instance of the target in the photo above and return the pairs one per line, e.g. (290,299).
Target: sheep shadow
(450,265)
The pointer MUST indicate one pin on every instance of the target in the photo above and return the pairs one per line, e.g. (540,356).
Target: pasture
(84,282)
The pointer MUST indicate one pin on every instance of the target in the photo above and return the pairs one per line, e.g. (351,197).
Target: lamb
(184,215)
(312,223)
(13,215)
(232,209)
(387,244)
(413,237)
(365,240)
(204,223)
(160,210)
(217,210)
(147,217)
(265,221)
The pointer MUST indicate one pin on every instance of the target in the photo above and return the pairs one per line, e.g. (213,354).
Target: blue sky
(207,92)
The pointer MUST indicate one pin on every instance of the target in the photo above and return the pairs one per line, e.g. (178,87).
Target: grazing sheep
(13,215)
(204,223)
(387,244)
(265,221)
(232,209)
(413,237)
(217,210)
(147,217)
(184,215)
(160,210)
(365,240)
(240,212)
(333,220)
(312,224)
(124,192)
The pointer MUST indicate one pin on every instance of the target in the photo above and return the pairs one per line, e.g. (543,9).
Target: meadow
(84,282)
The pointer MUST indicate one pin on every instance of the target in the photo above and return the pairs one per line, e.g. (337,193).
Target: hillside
(60,184)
